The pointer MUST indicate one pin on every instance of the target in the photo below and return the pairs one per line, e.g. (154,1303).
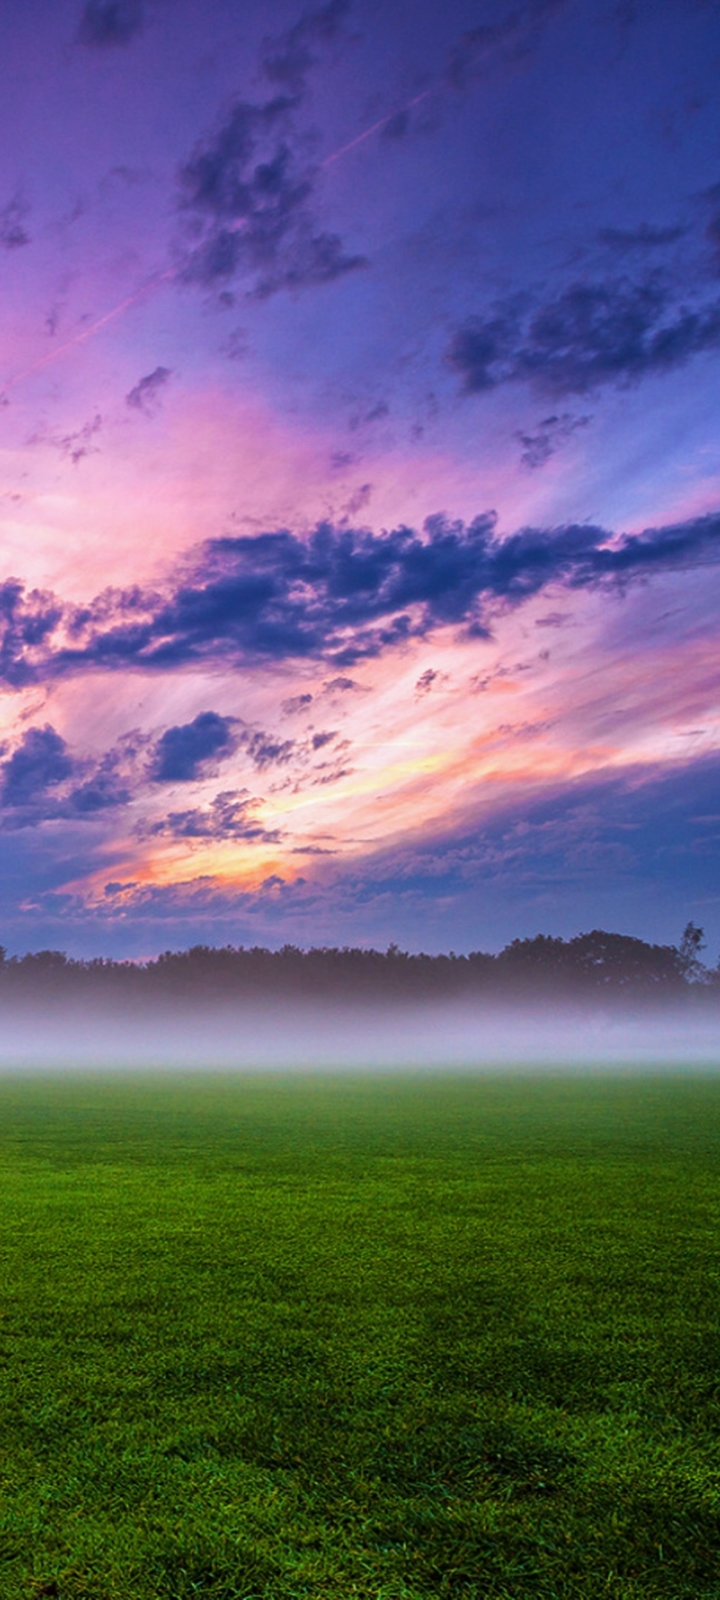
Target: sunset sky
(360,472)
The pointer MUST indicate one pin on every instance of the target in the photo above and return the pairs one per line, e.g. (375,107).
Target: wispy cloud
(105,23)
(231,815)
(145,394)
(548,437)
(288,57)
(13,232)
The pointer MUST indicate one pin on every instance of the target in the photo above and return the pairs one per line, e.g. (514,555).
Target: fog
(272,1036)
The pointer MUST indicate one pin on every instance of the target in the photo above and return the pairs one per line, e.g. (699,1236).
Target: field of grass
(386,1339)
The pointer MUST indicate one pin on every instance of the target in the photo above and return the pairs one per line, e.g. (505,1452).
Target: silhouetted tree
(691,944)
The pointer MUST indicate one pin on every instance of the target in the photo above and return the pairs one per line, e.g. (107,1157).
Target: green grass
(387,1339)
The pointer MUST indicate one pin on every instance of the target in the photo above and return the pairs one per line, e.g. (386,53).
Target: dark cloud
(145,395)
(549,435)
(426,680)
(13,233)
(339,595)
(247,194)
(182,752)
(102,792)
(113,781)
(289,57)
(265,751)
(43,782)
(40,762)
(28,618)
(110,22)
(590,334)
(231,815)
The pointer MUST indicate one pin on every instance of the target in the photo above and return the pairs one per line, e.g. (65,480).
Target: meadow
(386,1338)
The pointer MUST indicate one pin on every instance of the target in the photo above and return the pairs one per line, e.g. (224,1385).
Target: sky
(359,472)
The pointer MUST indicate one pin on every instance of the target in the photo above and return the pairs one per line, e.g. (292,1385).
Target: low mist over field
(308,1037)
(599,999)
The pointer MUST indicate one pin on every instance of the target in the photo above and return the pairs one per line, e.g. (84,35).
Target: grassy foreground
(388,1339)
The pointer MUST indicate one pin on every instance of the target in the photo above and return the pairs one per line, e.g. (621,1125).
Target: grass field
(389,1339)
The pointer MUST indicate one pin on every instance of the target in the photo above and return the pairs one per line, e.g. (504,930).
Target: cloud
(341,685)
(110,22)
(297,702)
(13,233)
(43,782)
(588,335)
(469,56)
(231,815)
(102,792)
(72,446)
(550,434)
(79,444)
(145,395)
(265,751)
(182,752)
(339,595)
(246,196)
(288,57)
(41,762)
(27,621)
(644,237)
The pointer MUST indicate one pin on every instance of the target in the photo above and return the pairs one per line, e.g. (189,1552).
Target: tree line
(596,964)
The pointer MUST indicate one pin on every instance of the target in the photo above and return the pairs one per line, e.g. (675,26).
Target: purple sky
(360,464)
